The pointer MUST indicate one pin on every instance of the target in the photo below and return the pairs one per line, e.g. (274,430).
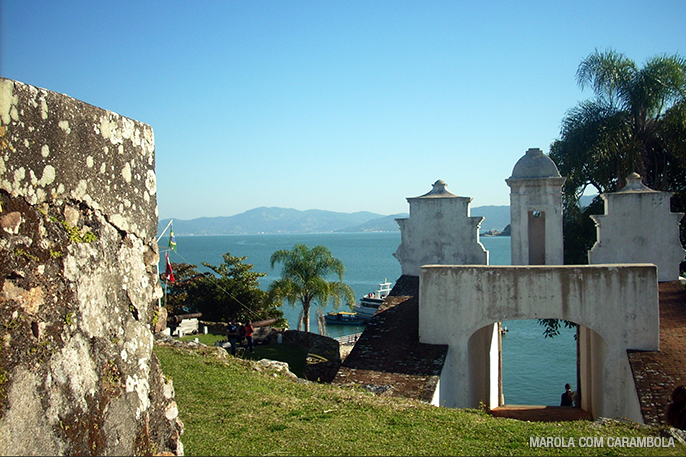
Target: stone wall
(439,231)
(323,358)
(616,307)
(79,288)
(638,227)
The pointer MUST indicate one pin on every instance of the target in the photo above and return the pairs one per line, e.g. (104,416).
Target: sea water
(535,368)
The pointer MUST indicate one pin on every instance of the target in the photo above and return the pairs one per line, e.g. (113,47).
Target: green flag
(172,240)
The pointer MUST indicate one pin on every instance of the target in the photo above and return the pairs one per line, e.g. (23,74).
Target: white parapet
(617,304)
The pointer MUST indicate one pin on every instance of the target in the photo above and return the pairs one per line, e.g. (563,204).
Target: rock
(78,212)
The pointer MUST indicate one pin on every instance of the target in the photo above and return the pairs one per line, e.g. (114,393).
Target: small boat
(370,303)
(343,318)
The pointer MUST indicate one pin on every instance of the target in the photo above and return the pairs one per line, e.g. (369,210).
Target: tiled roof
(657,373)
(388,357)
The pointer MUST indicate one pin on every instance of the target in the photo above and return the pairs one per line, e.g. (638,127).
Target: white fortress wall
(618,304)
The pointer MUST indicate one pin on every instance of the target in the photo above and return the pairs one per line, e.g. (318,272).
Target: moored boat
(370,303)
(343,318)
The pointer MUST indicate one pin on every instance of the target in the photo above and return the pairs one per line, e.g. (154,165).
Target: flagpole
(164,289)
(165,230)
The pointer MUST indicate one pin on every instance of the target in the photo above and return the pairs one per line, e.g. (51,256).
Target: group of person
(674,416)
(234,331)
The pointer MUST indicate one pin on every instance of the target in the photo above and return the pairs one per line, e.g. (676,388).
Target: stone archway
(616,304)
(534,369)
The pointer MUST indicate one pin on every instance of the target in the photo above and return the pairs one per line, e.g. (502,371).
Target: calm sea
(535,369)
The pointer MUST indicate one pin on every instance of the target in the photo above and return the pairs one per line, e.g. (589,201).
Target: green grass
(229,408)
(291,353)
(205,338)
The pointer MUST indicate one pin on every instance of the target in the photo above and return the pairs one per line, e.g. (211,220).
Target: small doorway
(536,226)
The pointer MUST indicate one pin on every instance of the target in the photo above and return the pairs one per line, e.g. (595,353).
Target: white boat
(370,303)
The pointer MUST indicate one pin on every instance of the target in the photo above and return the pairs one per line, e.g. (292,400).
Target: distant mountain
(382,224)
(496,217)
(288,220)
(271,220)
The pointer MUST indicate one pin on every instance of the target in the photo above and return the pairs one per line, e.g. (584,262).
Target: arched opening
(459,303)
(535,369)
(518,373)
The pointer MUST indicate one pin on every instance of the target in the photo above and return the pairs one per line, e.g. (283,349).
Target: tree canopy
(176,293)
(636,122)
(230,291)
(303,279)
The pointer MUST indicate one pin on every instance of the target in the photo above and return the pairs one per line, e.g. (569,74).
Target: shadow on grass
(293,354)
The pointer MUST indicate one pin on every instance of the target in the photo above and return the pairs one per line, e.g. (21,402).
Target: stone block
(79,287)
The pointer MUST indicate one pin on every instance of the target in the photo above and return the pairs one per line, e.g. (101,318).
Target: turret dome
(535,164)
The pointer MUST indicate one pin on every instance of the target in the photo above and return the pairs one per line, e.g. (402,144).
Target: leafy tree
(176,293)
(303,279)
(552,327)
(635,122)
(580,231)
(231,291)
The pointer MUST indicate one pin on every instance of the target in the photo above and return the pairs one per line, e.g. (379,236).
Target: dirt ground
(345,350)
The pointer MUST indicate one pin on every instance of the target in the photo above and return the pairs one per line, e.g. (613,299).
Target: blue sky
(343,106)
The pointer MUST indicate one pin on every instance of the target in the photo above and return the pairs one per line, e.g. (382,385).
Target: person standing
(676,410)
(567,398)
(232,335)
(248,335)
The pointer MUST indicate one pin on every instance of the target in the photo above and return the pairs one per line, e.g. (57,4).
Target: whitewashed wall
(619,303)
(638,227)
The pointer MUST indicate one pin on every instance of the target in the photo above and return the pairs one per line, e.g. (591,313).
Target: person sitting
(567,398)
(676,409)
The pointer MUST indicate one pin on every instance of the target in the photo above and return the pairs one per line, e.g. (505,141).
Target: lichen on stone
(77,255)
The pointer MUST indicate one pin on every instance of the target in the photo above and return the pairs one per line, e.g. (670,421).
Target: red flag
(169,273)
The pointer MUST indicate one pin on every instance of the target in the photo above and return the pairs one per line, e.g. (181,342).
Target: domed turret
(535,164)
(536,210)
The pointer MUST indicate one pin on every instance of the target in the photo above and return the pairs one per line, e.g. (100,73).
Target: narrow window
(536,237)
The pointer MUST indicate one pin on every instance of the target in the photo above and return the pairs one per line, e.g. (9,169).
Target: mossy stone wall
(78,281)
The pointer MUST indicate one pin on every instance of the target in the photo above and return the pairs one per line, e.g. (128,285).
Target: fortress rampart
(78,218)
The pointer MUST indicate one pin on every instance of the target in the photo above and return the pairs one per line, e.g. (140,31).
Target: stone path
(658,373)
(388,358)
(541,413)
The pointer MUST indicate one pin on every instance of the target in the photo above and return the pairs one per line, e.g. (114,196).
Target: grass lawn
(291,353)
(229,408)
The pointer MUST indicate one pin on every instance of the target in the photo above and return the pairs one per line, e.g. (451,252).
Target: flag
(172,240)
(169,273)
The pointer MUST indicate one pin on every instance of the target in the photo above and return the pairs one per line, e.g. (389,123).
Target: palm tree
(636,122)
(303,278)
